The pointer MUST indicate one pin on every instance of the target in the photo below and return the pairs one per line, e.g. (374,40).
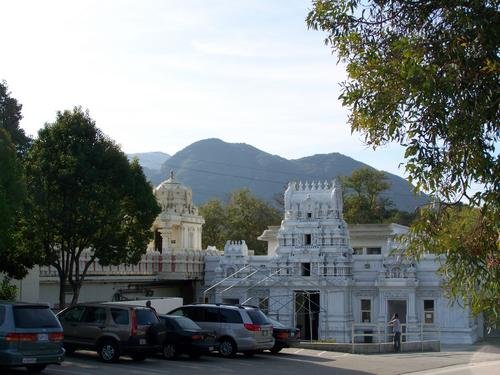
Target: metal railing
(382,333)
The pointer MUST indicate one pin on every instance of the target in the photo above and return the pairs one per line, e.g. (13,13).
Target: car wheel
(138,357)
(227,348)
(169,351)
(109,351)
(33,369)
(275,350)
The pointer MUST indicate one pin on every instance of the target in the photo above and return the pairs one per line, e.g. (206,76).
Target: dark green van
(30,336)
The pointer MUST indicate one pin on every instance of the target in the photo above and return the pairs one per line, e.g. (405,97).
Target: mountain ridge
(213,168)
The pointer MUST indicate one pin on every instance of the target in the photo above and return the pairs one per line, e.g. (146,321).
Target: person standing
(396,329)
(149,306)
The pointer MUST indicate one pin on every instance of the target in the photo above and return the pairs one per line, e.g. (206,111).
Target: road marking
(320,353)
(298,351)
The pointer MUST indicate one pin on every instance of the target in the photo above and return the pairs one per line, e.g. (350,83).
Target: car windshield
(257,316)
(275,323)
(146,317)
(187,324)
(35,317)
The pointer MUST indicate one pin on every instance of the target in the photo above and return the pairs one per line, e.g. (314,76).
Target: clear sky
(158,75)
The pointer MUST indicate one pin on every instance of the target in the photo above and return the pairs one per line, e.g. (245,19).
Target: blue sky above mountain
(160,75)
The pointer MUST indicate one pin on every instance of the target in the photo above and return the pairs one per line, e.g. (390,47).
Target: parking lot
(481,359)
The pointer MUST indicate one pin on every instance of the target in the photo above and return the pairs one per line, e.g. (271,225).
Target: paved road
(482,359)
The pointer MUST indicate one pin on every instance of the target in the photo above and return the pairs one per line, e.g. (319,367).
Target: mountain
(213,168)
(150,160)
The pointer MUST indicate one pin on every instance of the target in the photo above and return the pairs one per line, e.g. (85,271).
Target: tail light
(17,337)
(196,337)
(282,335)
(252,327)
(133,328)
(56,336)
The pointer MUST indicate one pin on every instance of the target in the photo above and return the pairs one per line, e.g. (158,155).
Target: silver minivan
(238,328)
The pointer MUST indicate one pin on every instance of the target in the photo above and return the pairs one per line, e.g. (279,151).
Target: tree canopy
(13,260)
(243,217)
(425,74)
(85,198)
(10,116)
(364,202)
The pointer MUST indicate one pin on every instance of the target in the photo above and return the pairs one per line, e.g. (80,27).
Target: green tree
(362,201)
(425,74)
(13,259)
(469,243)
(10,115)
(8,292)
(244,217)
(248,216)
(214,230)
(85,198)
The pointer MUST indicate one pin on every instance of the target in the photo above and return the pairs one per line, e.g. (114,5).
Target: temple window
(428,311)
(366,310)
(307,239)
(305,269)
(309,214)
(373,250)
(357,250)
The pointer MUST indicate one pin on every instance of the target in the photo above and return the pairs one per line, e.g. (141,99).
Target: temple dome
(173,197)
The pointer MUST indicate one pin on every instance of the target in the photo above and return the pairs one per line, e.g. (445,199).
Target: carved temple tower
(178,226)
(314,255)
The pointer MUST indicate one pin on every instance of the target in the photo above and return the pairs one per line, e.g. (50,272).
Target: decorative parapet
(397,266)
(188,264)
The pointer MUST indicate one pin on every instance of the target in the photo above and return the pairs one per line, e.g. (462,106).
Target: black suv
(112,330)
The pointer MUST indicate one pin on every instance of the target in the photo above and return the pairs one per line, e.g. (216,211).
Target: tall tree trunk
(76,292)
(62,295)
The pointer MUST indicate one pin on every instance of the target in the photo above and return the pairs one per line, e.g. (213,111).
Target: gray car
(30,336)
(112,330)
(238,328)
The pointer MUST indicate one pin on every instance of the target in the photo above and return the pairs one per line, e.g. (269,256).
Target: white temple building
(332,280)
(335,281)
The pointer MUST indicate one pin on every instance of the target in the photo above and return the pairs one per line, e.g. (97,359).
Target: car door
(92,324)
(70,320)
(207,317)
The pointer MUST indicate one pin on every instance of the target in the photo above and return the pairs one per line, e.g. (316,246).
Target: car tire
(227,348)
(34,369)
(109,351)
(275,350)
(138,357)
(169,351)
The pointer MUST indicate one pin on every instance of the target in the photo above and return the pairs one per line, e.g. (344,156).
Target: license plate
(142,341)
(43,337)
(292,334)
(264,333)
(211,348)
(29,360)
